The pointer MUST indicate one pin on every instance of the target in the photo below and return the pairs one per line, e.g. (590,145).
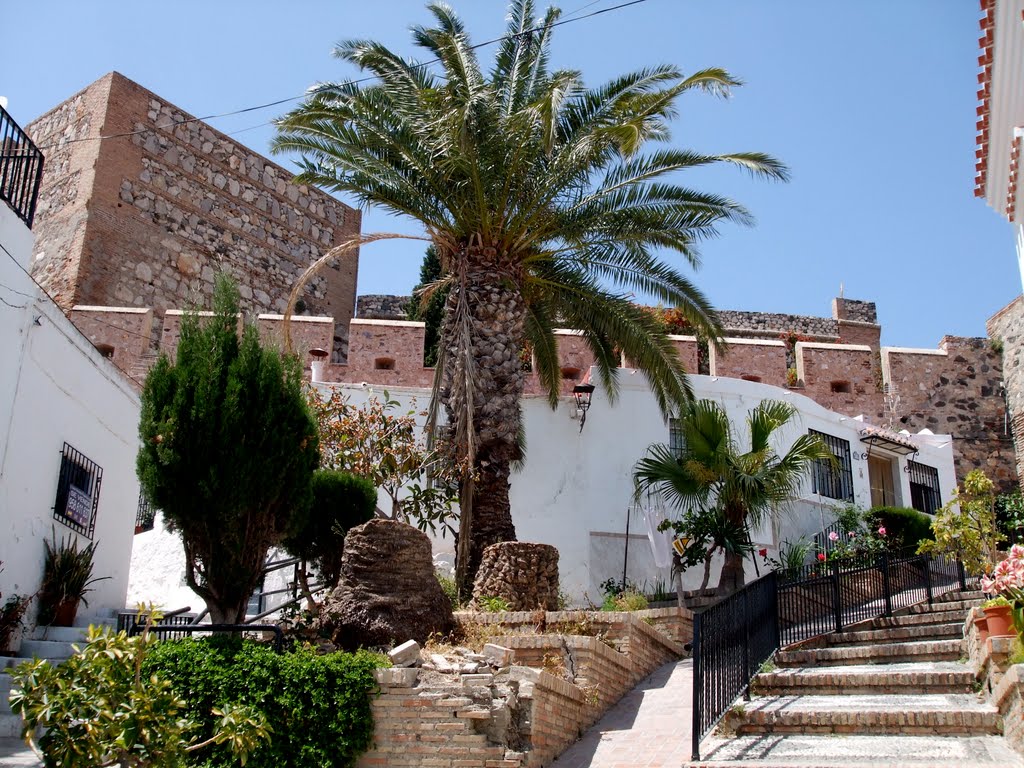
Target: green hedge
(905,527)
(318,706)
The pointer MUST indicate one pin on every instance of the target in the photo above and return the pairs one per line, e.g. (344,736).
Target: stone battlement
(955,388)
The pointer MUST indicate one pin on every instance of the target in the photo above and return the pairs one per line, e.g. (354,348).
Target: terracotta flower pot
(64,614)
(1000,624)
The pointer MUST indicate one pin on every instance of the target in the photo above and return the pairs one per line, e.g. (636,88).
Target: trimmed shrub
(318,707)
(341,501)
(904,527)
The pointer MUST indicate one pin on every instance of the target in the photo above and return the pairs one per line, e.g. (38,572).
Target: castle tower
(148,216)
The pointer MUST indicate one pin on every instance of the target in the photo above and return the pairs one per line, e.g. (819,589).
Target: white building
(69,416)
(576,486)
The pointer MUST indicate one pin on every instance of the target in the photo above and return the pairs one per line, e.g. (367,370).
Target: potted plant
(12,614)
(67,578)
(997,613)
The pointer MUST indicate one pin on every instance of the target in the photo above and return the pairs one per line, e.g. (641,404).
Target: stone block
(474,681)
(406,654)
(397,677)
(499,655)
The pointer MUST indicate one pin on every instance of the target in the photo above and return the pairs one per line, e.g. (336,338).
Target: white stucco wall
(575,488)
(55,387)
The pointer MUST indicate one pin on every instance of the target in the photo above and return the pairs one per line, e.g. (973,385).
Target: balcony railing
(21,169)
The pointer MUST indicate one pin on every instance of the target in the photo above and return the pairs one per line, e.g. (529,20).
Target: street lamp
(581,393)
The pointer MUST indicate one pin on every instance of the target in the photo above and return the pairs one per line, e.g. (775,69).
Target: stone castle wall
(954,389)
(148,219)
(1006,329)
(382,307)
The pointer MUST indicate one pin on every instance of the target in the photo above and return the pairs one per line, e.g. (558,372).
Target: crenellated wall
(954,389)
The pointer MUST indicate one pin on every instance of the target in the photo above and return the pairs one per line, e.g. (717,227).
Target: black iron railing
(163,630)
(735,636)
(21,169)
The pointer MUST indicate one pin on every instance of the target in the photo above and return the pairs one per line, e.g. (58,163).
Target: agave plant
(67,579)
(546,205)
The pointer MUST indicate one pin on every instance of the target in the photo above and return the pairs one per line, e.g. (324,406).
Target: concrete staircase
(890,691)
(50,643)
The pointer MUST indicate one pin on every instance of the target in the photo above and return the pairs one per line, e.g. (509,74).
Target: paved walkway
(648,728)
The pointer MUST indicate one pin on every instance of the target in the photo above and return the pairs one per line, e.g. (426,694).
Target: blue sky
(871,104)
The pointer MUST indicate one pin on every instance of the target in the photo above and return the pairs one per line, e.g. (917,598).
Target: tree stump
(388,592)
(524,575)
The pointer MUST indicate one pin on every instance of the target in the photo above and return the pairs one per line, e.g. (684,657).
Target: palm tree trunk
(732,576)
(482,382)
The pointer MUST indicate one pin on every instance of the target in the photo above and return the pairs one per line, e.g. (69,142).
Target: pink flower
(851,534)
(833,536)
(881,530)
(763,552)
(821,556)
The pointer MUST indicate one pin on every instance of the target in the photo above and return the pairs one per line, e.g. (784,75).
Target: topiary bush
(317,707)
(904,527)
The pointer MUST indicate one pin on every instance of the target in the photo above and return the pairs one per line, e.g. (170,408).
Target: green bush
(341,501)
(904,527)
(317,707)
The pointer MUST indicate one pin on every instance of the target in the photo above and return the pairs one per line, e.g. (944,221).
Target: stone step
(10,725)
(60,634)
(896,634)
(932,650)
(46,649)
(911,620)
(916,677)
(924,714)
(943,605)
(15,754)
(804,751)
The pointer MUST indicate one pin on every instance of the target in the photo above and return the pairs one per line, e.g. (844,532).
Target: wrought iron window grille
(833,480)
(924,487)
(78,492)
(145,515)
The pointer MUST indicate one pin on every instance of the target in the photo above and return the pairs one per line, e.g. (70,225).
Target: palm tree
(546,208)
(713,477)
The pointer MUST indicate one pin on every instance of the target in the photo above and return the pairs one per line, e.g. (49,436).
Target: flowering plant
(1007,577)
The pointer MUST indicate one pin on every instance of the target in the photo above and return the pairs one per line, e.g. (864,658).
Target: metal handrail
(190,629)
(21,169)
(735,636)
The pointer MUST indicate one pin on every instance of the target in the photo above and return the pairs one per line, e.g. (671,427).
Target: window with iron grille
(676,439)
(78,491)
(145,514)
(924,487)
(834,480)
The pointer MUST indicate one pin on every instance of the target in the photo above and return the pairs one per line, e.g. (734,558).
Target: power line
(328,87)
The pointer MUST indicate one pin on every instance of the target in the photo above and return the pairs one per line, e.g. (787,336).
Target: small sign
(679,545)
(79,506)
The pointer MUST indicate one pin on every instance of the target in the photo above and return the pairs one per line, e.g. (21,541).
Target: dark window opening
(749,377)
(676,438)
(840,387)
(834,480)
(106,350)
(570,374)
(384,364)
(924,487)
(78,492)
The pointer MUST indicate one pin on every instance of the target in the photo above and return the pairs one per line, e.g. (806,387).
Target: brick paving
(648,728)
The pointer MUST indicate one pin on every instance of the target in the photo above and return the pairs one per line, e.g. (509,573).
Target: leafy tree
(715,477)
(386,447)
(966,525)
(228,448)
(546,205)
(341,501)
(427,304)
